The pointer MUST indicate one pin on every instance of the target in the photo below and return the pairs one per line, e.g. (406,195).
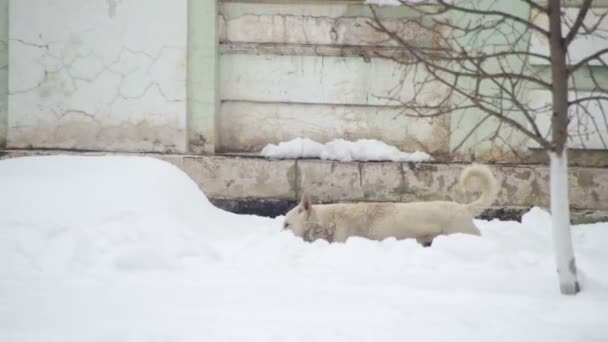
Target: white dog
(422,221)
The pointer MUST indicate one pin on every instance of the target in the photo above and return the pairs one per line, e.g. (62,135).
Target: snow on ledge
(342,150)
(400,3)
(383,2)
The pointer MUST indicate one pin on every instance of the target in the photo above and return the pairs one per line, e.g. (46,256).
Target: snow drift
(88,212)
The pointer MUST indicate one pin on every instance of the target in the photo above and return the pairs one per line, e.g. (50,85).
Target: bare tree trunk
(560,206)
(559,73)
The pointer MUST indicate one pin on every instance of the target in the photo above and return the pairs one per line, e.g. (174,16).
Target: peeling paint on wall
(81,132)
(316,30)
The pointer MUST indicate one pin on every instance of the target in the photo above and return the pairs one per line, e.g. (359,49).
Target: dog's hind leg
(340,236)
(425,241)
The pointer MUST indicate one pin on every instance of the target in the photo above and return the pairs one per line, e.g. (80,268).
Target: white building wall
(99,75)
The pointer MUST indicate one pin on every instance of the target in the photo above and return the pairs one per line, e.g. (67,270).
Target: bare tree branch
(472,131)
(585,61)
(422,55)
(588,99)
(482,59)
(578,23)
(537,6)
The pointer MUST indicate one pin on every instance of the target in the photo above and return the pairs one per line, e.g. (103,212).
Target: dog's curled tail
(489,186)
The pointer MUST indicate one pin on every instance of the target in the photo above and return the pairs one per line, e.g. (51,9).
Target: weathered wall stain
(585,179)
(87,134)
(316,30)
(116,87)
(112,7)
(385,181)
(276,122)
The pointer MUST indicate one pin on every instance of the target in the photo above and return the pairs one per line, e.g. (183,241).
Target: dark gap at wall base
(278,207)
(260,207)
(503,214)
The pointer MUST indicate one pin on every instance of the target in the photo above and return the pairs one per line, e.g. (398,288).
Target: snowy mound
(129,249)
(66,211)
(342,150)
(72,191)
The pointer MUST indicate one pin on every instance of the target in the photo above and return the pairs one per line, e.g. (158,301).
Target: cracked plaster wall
(313,24)
(98,75)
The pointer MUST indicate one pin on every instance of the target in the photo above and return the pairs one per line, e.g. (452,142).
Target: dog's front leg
(318,231)
(425,241)
(340,233)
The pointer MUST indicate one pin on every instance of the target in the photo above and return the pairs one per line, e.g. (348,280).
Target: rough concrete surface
(235,177)
(256,185)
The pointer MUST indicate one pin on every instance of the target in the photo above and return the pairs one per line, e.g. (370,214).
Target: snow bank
(342,150)
(128,249)
(81,212)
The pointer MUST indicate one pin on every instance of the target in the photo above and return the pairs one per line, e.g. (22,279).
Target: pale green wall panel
(3,71)
(203,71)
(469,139)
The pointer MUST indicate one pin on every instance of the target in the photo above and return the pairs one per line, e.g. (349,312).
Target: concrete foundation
(259,186)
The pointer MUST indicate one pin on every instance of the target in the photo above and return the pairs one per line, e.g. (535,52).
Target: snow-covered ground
(342,150)
(128,249)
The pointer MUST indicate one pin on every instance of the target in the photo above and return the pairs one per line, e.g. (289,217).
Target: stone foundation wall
(255,185)
(329,181)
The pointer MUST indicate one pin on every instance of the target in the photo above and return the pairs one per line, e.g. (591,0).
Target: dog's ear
(305,203)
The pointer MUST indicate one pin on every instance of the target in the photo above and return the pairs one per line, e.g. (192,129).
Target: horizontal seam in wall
(309,103)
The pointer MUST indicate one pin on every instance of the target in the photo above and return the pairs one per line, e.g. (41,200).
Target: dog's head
(297,218)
